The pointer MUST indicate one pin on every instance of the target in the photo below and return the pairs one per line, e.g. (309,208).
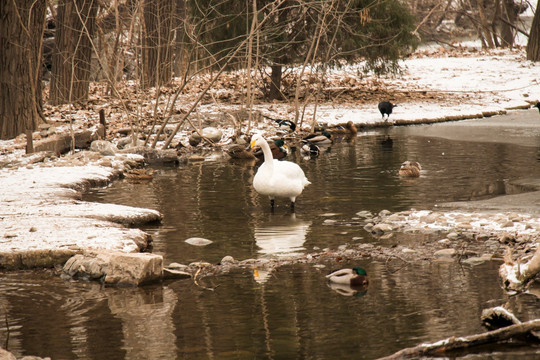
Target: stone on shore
(116,268)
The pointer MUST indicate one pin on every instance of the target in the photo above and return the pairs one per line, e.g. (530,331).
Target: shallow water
(290,312)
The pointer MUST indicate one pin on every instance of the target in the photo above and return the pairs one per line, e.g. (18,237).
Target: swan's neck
(268,157)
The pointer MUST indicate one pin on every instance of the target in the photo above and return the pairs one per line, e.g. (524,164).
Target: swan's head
(256,140)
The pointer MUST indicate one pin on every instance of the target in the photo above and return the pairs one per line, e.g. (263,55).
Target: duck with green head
(354,276)
(323,139)
(278,148)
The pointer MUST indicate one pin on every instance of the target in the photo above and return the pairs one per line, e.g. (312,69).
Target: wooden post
(103,122)
(29,142)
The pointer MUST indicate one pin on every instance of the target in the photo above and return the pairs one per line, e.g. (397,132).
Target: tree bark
(533,45)
(484,26)
(71,61)
(158,42)
(510,14)
(21,33)
(275,83)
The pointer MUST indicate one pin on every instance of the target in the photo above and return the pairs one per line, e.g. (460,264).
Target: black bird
(385,107)
(286,125)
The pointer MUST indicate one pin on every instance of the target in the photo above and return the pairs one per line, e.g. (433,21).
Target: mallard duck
(349,128)
(276,178)
(410,169)
(240,152)
(278,148)
(286,125)
(309,148)
(355,276)
(386,107)
(319,139)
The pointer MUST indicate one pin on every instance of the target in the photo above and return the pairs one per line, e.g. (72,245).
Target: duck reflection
(348,290)
(282,236)
(262,275)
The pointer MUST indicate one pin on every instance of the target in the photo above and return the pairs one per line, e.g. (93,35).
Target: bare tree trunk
(71,62)
(275,83)
(510,14)
(21,34)
(533,46)
(158,42)
(484,26)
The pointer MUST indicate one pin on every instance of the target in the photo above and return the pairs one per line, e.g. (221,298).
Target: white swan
(276,178)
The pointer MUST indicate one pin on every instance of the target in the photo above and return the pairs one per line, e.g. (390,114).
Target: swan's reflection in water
(282,236)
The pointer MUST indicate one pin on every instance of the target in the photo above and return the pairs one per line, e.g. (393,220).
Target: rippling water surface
(290,312)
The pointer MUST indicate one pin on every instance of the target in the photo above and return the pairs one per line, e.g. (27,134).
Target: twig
(199,285)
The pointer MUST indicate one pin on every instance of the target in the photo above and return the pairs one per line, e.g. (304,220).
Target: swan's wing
(290,171)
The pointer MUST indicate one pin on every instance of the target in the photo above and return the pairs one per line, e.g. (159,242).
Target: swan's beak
(253,143)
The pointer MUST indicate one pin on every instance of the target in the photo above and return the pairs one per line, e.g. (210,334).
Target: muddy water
(290,312)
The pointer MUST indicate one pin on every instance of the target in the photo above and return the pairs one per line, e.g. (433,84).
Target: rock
(380,229)
(211,133)
(154,156)
(61,143)
(125,141)
(395,217)
(227,260)
(194,139)
(116,268)
(445,253)
(364,214)
(197,241)
(508,223)
(452,236)
(201,264)
(384,213)
(368,227)
(6,355)
(104,147)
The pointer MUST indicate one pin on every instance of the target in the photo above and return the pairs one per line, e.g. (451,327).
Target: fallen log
(459,343)
(515,275)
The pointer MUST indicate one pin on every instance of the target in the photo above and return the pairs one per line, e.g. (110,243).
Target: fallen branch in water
(465,342)
(515,275)
(199,285)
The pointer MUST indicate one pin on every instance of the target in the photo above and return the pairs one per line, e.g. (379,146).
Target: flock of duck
(277,178)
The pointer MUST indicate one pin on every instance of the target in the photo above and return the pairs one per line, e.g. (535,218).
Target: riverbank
(43,222)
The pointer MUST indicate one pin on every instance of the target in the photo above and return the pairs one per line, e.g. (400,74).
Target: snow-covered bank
(435,86)
(42,217)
